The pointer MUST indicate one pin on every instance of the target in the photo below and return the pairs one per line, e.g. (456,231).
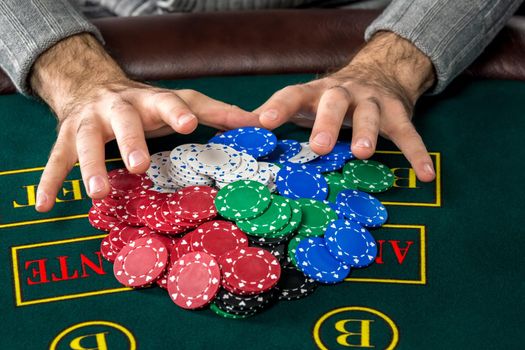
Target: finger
(284,104)
(127,127)
(61,160)
(174,111)
(218,114)
(331,112)
(410,143)
(90,150)
(365,122)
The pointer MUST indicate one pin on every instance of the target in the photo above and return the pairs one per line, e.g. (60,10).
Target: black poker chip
(245,304)
(269,242)
(279,251)
(294,284)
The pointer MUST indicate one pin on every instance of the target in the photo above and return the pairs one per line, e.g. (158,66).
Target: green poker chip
(292,247)
(225,314)
(316,217)
(271,220)
(337,183)
(244,199)
(294,222)
(369,175)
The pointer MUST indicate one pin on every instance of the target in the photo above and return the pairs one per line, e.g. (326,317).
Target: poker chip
(268,242)
(273,219)
(341,150)
(315,261)
(279,250)
(140,262)
(194,280)
(324,165)
(284,150)
(244,199)
(218,311)
(316,216)
(244,304)
(106,206)
(121,234)
(369,175)
(362,208)
(254,141)
(301,181)
(247,169)
(158,170)
(154,220)
(305,155)
(212,159)
(126,211)
(293,223)
(194,203)
(217,238)
(292,248)
(336,183)
(101,221)
(106,249)
(250,270)
(122,182)
(294,284)
(350,243)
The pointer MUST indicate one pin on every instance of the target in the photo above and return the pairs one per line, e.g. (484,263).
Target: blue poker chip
(315,261)
(257,142)
(350,243)
(324,165)
(301,181)
(340,150)
(362,208)
(284,150)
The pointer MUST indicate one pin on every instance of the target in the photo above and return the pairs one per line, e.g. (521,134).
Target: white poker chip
(212,159)
(246,170)
(305,155)
(158,170)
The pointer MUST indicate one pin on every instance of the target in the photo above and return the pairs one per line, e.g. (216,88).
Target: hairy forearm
(393,65)
(70,67)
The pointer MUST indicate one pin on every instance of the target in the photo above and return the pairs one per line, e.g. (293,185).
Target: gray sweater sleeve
(451,33)
(29,27)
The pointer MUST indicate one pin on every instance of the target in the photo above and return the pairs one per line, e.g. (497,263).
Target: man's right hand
(95,102)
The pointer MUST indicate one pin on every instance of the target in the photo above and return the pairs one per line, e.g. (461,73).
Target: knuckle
(128,140)
(118,105)
(292,89)
(89,165)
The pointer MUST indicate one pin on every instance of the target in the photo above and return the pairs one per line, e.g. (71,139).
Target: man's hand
(95,102)
(375,94)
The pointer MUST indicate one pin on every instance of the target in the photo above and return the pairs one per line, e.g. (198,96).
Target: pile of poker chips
(170,221)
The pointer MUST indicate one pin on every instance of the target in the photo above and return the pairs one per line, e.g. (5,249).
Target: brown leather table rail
(266,42)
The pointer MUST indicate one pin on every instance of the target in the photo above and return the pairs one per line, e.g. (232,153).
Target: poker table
(449,272)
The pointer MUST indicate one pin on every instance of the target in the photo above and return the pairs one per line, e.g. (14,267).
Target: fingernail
(136,158)
(95,184)
(185,119)
(41,199)
(363,143)
(270,114)
(322,139)
(429,169)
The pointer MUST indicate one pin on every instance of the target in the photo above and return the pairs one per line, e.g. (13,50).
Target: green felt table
(449,274)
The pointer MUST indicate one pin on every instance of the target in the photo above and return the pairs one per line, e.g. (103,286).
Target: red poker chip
(123,182)
(218,237)
(172,219)
(101,221)
(250,270)
(122,234)
(166,239)
(194,203)
(154,221)
(145,202)
(183,247)
(106,250)
(106,205)
(194,280)
(141,262)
